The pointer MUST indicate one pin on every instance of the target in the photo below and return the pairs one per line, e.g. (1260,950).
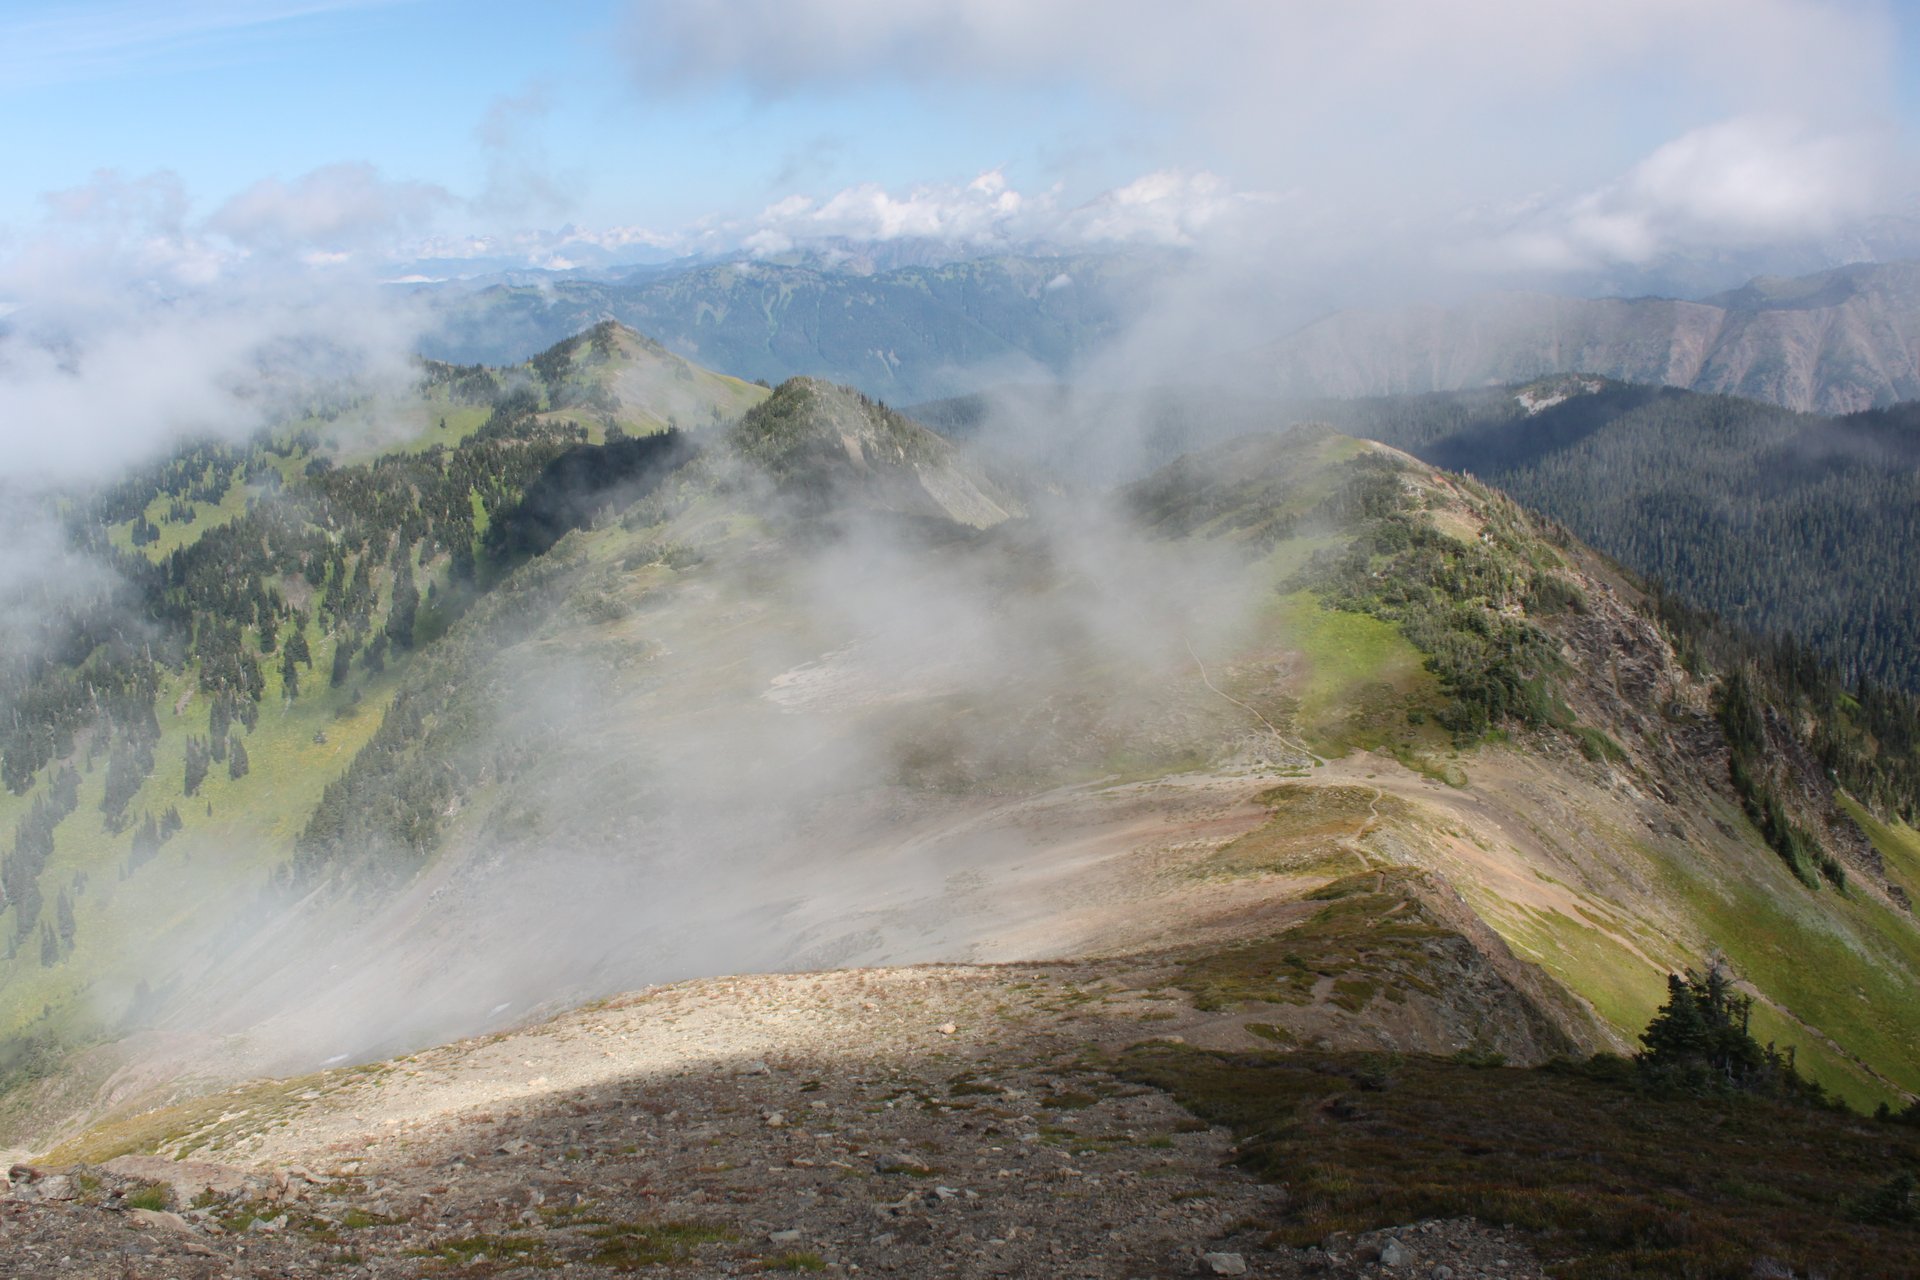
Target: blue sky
(1465,132)
(224,95)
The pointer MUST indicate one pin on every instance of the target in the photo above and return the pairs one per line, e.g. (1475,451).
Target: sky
(504,120)
(390,129)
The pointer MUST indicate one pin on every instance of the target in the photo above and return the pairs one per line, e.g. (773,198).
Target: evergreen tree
(123,781)
(22,883)
(406,605)
(236,759)
(289,675)
(197,753)
(146,843)
(342,661)
(296,642)
(19,757)
(1700,1036)
(66,790)
(1678,1032)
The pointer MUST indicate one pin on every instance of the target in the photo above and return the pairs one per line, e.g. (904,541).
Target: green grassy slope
(1557,839)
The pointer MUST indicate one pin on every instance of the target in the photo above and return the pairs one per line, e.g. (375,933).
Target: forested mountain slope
(1835,342)
(1784,523)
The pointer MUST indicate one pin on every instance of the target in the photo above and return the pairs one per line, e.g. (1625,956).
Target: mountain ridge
(903,333)
(1299,746)
(1837,341)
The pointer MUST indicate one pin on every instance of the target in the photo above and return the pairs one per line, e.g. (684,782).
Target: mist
(844,737)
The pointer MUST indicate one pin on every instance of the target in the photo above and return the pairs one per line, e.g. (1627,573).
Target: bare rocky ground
(932,1121)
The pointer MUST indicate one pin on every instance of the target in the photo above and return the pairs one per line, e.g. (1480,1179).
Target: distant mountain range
(1836,342)
(907,330)
(906,333)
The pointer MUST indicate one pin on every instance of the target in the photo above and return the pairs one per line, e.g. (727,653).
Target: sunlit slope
(831,693)
(830,447)
(1602,839)
(608,376)
(770,722)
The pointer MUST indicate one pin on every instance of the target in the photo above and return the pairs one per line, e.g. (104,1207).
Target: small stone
(1394,1254)
(517,1147)
(1441,1272)
(1224,1264)
(946,1028)
(159,1219)
(776,1120)
(785,1237)
(756,1068)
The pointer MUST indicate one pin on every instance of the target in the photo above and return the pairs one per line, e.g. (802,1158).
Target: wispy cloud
(93,41)
(134,320)
(334,209)
(521,182)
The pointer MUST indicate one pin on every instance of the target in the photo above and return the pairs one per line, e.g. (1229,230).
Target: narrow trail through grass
(1290,743)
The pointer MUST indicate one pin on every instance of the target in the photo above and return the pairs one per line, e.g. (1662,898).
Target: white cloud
(1387,124)
(984,210)
(340,206)
(1165,208)
(1277,82)
(133,323)
(1734,184)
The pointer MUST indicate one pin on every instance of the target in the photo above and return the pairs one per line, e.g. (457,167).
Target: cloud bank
(1464,132)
